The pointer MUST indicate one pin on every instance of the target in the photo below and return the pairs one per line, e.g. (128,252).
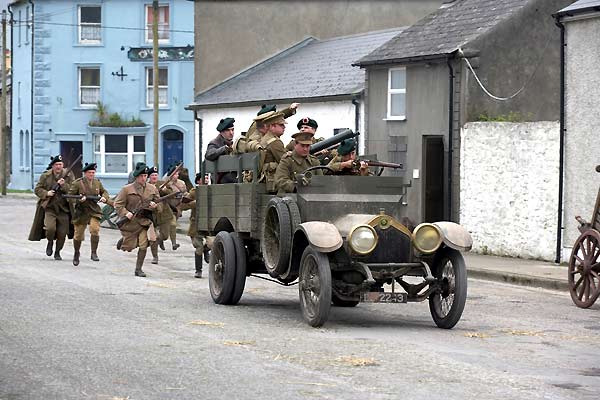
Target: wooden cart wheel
(584,269)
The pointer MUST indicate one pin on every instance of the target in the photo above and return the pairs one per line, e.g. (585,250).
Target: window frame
(20,29)
(79,87)
(27,25)
(148,28)
(149,101)
(80,24)
(100,156)
(391,91)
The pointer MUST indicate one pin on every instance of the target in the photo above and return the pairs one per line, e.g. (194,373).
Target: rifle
(177,168)
(56,187)
(143,207)
(80,196)
(374,163)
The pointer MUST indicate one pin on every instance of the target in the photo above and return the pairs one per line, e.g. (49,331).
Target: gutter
(12,84)
(405,60)
(562,140)
(357,120)
(341,97)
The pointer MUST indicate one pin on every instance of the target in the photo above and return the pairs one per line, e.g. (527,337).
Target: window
(27,25)
(24,150)
(118,154)
(90,20)
(19,27)
(163,87)
(89,86)
(396,104)
(163,23)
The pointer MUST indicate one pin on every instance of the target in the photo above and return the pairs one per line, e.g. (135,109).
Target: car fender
(455,236)
(323,236)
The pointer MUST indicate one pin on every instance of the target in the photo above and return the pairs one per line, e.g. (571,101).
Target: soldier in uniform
(174,184)
(87,212)
(161,221)
(222,145)
(295,162)
(306,124)
(52,209)
(271,109)
(273,149)
(201,249)
(136,201)
(345,161)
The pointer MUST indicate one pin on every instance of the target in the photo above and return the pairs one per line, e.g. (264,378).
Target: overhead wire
(20,23)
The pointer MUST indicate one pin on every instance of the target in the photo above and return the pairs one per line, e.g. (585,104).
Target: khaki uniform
(162,217)
(135,231)
(271,155)
(253,136)
(336,165)
(290,165)
(87,213)
(56,216)
(173,203)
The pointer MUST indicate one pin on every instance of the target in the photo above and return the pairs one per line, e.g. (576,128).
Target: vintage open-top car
(343,239)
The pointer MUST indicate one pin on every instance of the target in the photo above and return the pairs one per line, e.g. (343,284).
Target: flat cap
(225,123)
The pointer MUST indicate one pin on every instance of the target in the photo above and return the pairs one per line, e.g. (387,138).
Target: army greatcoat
(130,199)
(57,206)
(291,164)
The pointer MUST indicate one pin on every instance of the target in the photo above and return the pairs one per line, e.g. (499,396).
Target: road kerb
(518,279)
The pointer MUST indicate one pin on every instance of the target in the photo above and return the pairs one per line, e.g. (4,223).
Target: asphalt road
(98,332)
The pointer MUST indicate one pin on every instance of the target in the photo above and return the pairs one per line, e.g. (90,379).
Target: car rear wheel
(221,268)
(276,240)
(240,268)
(448,302)
(314,286)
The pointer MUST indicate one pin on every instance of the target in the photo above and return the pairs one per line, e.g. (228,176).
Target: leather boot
(161,244)
(119,243)
(77,247)
(94,242)
(154,250)
(59,246)
(206,252)
(173,235)
(141,255)
(49,248)
(198,261)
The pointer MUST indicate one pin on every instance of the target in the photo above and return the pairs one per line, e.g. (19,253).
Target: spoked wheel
(221,268)
(584,269)
(448,302)
(276,243)
(314,286)
(240,268)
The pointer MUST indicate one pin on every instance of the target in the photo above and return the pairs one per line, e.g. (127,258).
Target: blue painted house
(70,55)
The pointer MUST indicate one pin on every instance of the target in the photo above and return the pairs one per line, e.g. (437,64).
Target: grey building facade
(419,91)
(232,35)
(580,23)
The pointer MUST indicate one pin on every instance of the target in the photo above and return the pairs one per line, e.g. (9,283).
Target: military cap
(276,118)
(303,137)
(152,170)
(262,117)
(198,178)
(89,167)
(225,123)
(172,168)
(267,108)
(346,147)
(308,122)
(55,159)
(140,168)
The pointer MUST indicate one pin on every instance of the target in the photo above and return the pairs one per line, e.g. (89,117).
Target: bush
(113,120)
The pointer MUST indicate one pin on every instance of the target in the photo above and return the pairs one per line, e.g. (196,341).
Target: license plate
(383,297)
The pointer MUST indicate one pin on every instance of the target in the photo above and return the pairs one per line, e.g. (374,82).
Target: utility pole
(155,75)
(3,124)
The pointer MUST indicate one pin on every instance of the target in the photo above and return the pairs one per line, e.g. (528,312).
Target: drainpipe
(32,84)
(562,141)
(199,121)
(12,91)
(357,121)
(450,133)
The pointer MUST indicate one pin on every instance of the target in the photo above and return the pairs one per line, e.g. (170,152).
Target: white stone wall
(329,116)
(509,187)
(582,117)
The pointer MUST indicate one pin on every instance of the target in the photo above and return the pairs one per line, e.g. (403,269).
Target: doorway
(433,186)
(172,148)
(70,151)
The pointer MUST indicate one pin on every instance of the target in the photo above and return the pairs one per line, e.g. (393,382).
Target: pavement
(516,271)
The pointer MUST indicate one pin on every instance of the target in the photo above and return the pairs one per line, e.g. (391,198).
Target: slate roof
(445,30)
(580,6)
(312,68)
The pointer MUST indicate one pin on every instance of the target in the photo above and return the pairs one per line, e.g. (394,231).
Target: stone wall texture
(509,187)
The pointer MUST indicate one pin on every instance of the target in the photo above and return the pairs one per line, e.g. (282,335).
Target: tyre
(276,243)
(295,221)
(447,304)
(343,303)
(584,269)
(314,287)
(240,269)
(221,268)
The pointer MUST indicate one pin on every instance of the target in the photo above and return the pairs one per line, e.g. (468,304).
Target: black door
(433,171)
(70,151)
